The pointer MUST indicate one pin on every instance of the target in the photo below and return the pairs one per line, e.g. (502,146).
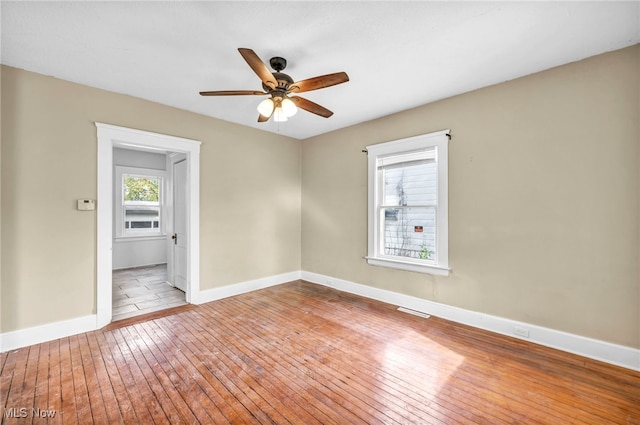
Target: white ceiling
(398,55)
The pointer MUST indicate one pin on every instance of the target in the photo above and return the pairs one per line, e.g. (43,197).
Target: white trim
(615,354)
(51,331)
(104,237)
(440,141)
(38,334)
(110,136)
(137,267)
(408,265)
(408,143)
(244,287)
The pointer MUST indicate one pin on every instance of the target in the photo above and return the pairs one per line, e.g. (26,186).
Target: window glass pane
(141,204)
(422,155)
(409,232)
(141,216)
(145,189)
(410,184)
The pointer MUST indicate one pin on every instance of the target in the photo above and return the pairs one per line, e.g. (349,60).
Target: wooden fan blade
(262,118)
(232,93)
(321,82)
(310,106)
(258,67)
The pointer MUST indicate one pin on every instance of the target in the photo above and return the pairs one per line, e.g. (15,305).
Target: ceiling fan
(281,105)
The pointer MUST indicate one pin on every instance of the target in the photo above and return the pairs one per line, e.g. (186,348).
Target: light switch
(86,204)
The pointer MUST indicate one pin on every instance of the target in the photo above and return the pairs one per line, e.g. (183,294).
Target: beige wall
(250,195)
(544,196)
(0,199)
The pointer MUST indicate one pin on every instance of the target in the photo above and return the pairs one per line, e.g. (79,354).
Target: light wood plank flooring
(303,354)
(143,290)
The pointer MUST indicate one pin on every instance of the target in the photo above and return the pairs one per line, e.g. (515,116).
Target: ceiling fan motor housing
(284,81)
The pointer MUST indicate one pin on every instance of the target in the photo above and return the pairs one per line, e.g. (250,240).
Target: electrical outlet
(523,332)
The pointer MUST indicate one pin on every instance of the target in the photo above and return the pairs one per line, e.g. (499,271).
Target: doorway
(146,199)
(110,137)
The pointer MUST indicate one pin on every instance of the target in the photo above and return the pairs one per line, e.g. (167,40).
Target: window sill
(136,238)
(408,266)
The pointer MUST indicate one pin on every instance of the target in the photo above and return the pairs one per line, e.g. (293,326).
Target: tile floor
(143,290)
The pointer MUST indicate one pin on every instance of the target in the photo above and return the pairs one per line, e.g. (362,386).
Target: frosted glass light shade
(288,107)
(265,108)
(279,115)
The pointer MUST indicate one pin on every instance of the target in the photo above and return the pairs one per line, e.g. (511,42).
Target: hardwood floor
(143,290)
(303,354)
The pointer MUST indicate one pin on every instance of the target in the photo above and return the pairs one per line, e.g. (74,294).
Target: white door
(179,237)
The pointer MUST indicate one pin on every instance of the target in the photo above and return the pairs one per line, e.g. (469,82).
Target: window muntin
(408,226)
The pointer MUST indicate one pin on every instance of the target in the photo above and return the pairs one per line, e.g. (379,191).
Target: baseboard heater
(414,312)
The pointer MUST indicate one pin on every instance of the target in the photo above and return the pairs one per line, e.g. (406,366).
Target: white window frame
(119,229)
(440,141)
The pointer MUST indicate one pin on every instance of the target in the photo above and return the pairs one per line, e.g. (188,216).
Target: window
(408,226)
(139,202)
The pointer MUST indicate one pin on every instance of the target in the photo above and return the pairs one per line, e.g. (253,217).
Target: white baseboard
(51,331)
(618,355)
(38,334)
(244,287)
(599,350)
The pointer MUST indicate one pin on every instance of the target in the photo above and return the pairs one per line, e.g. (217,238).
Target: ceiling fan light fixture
(288,107)
(279,115)
(265,108)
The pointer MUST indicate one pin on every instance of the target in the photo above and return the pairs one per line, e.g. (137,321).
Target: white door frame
(110,136)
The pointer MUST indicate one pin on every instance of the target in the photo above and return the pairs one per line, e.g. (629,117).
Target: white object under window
(408,215)
(139,202)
